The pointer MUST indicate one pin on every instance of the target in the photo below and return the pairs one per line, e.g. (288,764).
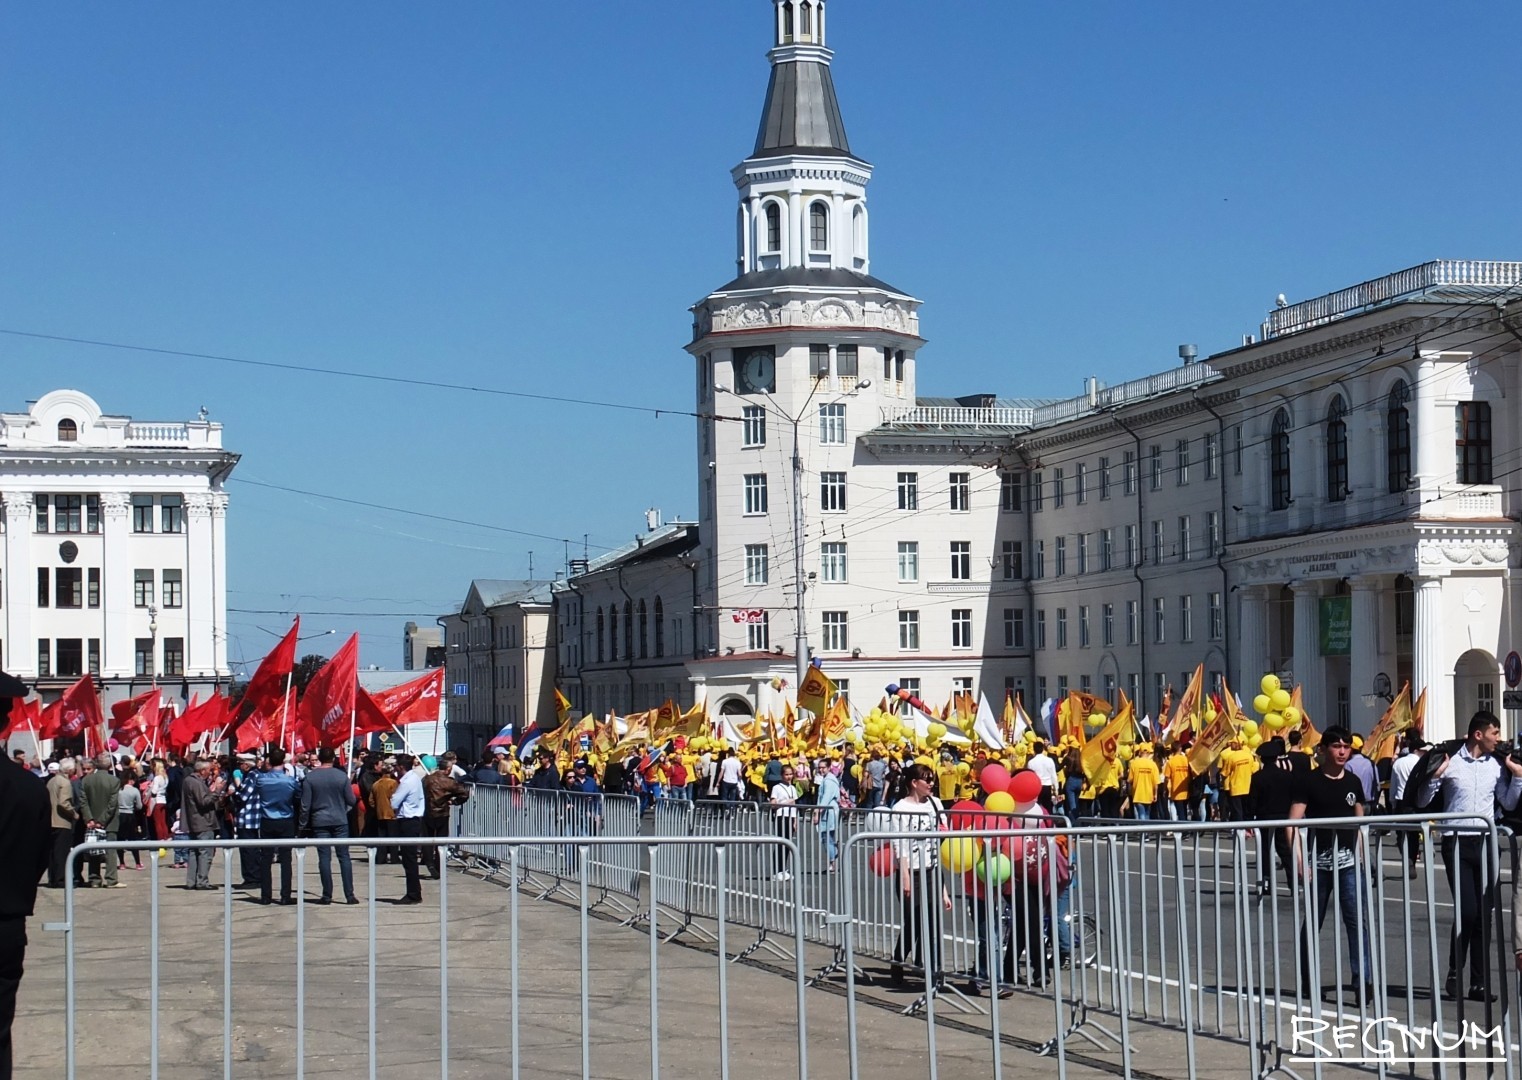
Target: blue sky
(529,196)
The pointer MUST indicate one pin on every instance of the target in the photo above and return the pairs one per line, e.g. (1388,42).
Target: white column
(840,233)
(1428,430)
(219,584)
(1429,671)
(1252,639)
(20,586)
(755,234)
(1364,665)
(797,250)
(124,623)
(200,586)
(1307,669)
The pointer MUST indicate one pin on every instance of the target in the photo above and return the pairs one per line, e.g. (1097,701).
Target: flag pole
(353,723)
(285,711)
(403,736)
(36,742)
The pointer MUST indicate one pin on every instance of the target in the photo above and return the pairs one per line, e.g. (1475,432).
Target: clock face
(758,371)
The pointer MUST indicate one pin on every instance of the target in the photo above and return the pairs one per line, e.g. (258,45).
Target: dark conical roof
(801,114)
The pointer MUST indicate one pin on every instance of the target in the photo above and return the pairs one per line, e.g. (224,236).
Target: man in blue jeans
(277,799)
(326,799)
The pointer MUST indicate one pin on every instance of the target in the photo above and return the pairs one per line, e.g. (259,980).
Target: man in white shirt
(729,777)
(1400,776)
(1043,766)
(408,801)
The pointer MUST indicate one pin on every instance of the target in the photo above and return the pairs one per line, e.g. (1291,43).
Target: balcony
(196,435)
(949,416)
(1184,377)
(1440,274)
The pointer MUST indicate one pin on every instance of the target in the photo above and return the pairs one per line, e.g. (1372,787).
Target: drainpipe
(1220,559)
(629,635)
(1141,549)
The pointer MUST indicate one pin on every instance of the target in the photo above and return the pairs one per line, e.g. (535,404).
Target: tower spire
(801,114)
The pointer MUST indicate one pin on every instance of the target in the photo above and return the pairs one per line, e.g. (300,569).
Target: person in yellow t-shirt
(948,779)
(1106,782)
(1178,779)
(1237,764)
(1144,777)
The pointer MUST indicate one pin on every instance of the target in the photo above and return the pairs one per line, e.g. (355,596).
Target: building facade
(500,656)
(114,558)
(422,647)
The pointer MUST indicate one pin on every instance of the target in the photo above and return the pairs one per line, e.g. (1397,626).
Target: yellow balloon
(1124,753)
(1263,703)
(1280,699)
(163,853)
(1269,683)
(1096,719)
(937,730)
(1250,727)
(1291,716)
(1254,741)
(959,854)
(1000,802)
(963,768)
(1273,720)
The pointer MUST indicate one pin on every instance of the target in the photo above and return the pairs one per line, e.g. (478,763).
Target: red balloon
(882,862)
(1024,786)
(965,815)
(994,777)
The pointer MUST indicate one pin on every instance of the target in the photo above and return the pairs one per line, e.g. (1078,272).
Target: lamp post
(153,645)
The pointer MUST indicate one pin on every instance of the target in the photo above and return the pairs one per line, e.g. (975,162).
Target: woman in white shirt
(919,878)
(785,814)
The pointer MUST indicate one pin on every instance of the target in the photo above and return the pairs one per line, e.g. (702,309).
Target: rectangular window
(1062,628)
(1156,454)
(44,593)
(1212,456)
(908,631)
(1107,624)
(1083,553)
(1106,549)
(92,655)
(961,628)
(1083,626)
(1157,543)
(68,587)
(1039,571)
(1041,688)
(142,588)
(753,426)
(757,564)
(1014,628)
(1160,685)
(1133,687)
(908,491)
(1159,621)
(44,658)
(1104,478)
(92,513)
(1131,545)
(1081,483)
(142,650)
(1109,687)
(1181,463)
(1471,443)
(1062,687)
(1128,473)
(92,587)
(832,425)
(961,492)
(908,560)
(1185,540)
(846,360)
(913,686)
(70,658)
(1012,557)
(1213,533)
(758,635)
(174,593)
(961,685)
(142,513)
(1186,618)
(755,493)
(1133,622)
(842,691)
(832,492)
(1040,629)
(1059,488)
(1217,618)
(1010,492)
(174,656)
(836,638)
(819,361)
(1085,683)
(40,513)
(68,513)
(832,561)
(1236,465)
(961,560)
(1060,561)
(1038,492)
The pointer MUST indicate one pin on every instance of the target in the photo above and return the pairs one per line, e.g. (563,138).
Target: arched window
(644,631)
(599,636)
(1337,450)
(628,630)
(660,628)
(773,228)
(1278,461)
(806,20)
(787,22)
(68,430)
(1398,438)
(613,632)
(819,227)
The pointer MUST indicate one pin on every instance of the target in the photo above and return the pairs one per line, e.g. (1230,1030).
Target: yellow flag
(1397,718)
(1190,713)
(1310,738)
(816,691)
(1216,735)
(1010,718)
(693,722)
(1121,730)
(562,706)
(836,724)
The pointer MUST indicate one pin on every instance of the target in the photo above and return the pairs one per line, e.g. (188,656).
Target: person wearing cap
(24,847)
(248,816)
(1368,776)
(1144,777)
(64,812)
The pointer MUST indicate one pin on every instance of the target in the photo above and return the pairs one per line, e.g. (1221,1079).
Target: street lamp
(153,644)
(1381,694)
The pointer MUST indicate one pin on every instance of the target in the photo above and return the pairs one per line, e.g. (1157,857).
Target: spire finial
(800,22)
(801,112)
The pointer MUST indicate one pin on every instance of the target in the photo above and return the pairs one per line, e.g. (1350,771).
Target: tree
(306,670)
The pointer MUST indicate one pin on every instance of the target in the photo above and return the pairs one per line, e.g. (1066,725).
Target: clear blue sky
(530,195)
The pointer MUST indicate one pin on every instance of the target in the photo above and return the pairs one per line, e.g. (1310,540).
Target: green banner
(1336,625)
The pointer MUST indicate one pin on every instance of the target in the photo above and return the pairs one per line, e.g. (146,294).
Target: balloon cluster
(1273,703)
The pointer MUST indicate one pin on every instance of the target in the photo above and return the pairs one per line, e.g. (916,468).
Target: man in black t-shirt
(1329,857)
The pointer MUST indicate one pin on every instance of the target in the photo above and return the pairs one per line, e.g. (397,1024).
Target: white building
(114,559)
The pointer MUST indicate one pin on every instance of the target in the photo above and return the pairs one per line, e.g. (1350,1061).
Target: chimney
(652,519)
(1188,354)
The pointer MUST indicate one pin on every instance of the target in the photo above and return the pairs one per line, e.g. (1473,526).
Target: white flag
(986,726)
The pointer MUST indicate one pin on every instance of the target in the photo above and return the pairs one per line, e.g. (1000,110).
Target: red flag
(369,715)
(415,702)
(122,711)
(76,712)
(328,704)
(210,715)
(24,716)
(267,687)
(261,729)
(132,718)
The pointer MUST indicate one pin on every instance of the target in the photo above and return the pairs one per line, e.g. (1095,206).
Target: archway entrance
(1476,686)
(735,706)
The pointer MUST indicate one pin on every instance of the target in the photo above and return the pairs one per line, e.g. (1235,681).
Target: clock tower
(802,352)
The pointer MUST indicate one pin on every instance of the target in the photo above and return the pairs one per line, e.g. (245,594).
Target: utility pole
(801,639)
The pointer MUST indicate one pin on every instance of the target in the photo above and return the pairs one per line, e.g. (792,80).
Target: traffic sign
(1511,699)
(1513,668)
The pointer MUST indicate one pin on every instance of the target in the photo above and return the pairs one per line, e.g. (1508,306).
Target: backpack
(1419,777)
